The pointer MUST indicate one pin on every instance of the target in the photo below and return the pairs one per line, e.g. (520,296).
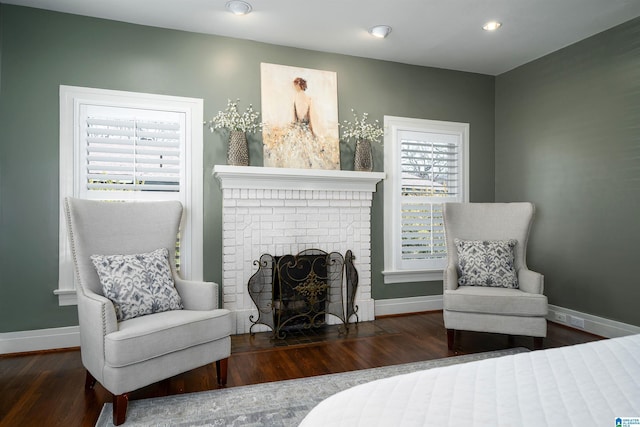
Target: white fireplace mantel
(262,178)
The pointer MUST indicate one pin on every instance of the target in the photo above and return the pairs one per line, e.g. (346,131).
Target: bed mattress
(582,385)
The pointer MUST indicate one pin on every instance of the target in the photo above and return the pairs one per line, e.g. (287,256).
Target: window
(131,146)
(426,165)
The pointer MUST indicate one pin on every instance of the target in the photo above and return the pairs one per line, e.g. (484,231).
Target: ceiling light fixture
(492,26)
(380,31)
(238,7)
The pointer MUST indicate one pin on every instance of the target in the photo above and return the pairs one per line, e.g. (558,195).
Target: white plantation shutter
(422,231)
(425,166)
(127,153)
(132,155)
(429,176)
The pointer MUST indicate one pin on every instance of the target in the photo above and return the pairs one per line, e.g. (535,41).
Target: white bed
(583,385)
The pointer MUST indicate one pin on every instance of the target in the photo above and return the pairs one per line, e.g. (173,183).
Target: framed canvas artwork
(300,116)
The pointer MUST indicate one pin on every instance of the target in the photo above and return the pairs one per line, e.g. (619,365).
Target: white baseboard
(385,307)
(592,324)
(55,338)
(40,339)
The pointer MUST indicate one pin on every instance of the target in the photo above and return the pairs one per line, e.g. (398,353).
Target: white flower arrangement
(232,120)
(359,128)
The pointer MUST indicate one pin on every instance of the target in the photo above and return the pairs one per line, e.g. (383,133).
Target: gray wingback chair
(520,311)
(130,354)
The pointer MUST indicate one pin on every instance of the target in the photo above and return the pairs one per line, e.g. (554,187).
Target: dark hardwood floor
(47,388)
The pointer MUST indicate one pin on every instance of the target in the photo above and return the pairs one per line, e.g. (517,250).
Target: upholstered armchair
(487,285)
(159,325)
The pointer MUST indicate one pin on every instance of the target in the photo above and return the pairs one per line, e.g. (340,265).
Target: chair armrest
(97,318)
(97,312)
(197,295)
(450,279)
(530,281)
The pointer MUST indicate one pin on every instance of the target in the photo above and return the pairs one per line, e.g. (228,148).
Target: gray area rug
(282,403)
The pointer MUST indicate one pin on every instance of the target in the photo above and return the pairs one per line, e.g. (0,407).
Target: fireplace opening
(299,291)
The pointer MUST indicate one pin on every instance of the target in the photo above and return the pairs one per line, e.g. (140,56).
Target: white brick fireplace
(284,211)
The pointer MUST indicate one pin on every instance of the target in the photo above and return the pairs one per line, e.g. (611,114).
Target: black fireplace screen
(299,291)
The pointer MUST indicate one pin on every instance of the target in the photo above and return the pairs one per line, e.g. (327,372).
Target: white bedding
(583,385)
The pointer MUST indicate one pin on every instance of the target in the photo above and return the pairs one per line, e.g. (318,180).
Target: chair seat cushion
(154,335)
(513,302)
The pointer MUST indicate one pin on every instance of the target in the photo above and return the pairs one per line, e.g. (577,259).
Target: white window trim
(71,98)
(392,246)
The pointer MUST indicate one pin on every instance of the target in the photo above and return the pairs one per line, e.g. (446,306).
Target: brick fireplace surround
(284,211)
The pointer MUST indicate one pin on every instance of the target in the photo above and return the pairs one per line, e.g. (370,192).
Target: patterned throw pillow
(138,284)
(486,263)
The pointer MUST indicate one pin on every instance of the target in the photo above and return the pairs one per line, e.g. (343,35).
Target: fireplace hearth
(293,292)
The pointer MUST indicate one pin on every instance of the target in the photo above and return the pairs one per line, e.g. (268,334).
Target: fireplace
(285,211)
(293,292)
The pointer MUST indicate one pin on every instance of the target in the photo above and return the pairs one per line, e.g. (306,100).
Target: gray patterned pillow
(486,263)
(138,284)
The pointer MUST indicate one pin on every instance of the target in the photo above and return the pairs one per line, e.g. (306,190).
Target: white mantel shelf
(262,178)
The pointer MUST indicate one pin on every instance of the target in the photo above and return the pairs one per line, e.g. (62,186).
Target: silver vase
(363,158)
(238,151)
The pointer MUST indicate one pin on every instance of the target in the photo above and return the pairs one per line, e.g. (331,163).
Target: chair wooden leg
(89,381)
(221,371)
(120,403)
(538,343)
(450,338)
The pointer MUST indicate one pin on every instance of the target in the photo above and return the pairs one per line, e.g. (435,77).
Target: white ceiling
(436,33)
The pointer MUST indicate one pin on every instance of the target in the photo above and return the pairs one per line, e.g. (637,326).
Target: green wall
(42,50)
(568,139)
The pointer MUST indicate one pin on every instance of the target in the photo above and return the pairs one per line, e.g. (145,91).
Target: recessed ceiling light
(380,31)
(492,26)
(238,7)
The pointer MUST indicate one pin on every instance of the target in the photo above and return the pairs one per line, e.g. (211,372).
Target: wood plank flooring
(47,388)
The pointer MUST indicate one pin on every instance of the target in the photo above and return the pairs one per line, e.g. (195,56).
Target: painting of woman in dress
(300,114)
